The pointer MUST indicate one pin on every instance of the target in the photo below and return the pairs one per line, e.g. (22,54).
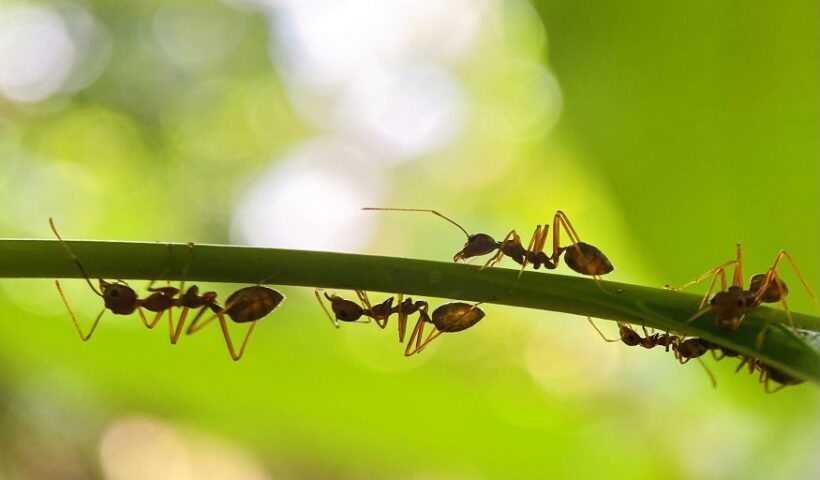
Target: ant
(731,304)
(246,305)
(684,350)
(117,296)
(446,318)
(581,257)
(768,372)
(348,311)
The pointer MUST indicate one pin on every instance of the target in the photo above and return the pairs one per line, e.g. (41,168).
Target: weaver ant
(117,296)
(684,349)
(581,257)
(245,305)
(348,311)
(731,304)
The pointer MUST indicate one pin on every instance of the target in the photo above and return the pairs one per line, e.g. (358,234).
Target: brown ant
(446,318)
(118,296)
(581,257)
(684,350)
(731,304)
(768,372)
(348,311)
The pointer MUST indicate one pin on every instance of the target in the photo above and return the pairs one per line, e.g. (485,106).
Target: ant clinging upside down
(446,318)
(246,305)
(581,257)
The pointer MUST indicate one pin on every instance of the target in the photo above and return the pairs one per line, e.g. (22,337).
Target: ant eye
(713,301)
(740,303)
(342,314)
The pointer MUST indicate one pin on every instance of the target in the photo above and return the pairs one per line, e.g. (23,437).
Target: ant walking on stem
(581,257)
(731,304)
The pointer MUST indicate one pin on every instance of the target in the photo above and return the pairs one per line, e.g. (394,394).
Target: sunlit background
(667,132)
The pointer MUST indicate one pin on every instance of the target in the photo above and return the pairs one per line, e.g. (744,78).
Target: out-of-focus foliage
(668,133)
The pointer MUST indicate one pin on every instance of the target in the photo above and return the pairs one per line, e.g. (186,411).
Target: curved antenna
(421,210)
(73,257)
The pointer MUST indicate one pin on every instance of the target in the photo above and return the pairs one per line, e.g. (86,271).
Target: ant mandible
(581,257)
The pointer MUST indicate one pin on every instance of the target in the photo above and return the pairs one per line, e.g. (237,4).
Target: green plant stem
(658,308)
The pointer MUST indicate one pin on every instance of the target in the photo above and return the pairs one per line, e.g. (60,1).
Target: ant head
(729,306)
(628,336)
(119,298)
(477,245)
(586,259)
(345,310)
(456,316)
(772,291)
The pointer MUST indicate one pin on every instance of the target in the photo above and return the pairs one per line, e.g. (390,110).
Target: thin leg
(402,319)
(178,331)
(195,326)
(418,332)
(83,336)
(534,240)
(712,378)
(560,219)
(500,254)
(227,335)
(589,319)
(322,304)
(701,277)
(737,280)
(368,307)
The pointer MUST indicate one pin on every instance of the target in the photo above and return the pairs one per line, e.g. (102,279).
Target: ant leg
(416,336)
(83,336)
(178,332)
(402,319)
(589,319)
(333,320)
(703,276)
(195,326)
(708,372)
(433,335)
(534,240)
(227,335)
(796,270)
(560,219)
(737,279)
(498,256)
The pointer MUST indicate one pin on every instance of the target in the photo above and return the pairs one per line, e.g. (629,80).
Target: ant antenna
(421,210)
(73,257)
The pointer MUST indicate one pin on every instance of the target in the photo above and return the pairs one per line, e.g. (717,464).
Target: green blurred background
(667,132)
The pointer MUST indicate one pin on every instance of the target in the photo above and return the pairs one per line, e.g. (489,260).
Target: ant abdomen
(252,303)
(456,316)
(587,259)
(772,291)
